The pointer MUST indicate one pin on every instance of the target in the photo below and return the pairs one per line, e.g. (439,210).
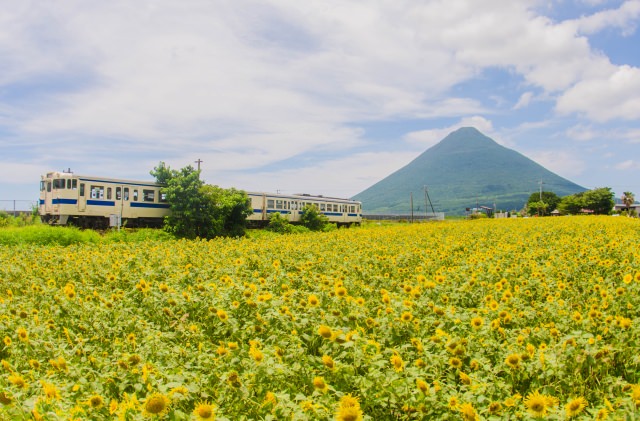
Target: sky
(316,96)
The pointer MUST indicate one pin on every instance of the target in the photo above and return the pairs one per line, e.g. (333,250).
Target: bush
(313,219)
(279,224)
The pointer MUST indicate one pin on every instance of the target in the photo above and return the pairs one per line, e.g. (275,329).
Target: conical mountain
(465,169)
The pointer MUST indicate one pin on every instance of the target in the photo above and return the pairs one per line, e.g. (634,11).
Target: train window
(322,207)
(49,186)
(69,183)
(335,208)
(81,193)
(97,192)
(135,195)
(108,193)
(148,195)
(126,193)
(58,184)
(118,193)
(43,185)
(352,209)
(74,184)
(279,204)
(163,197)
(270,204)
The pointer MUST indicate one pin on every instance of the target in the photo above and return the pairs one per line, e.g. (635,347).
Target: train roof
(296,196)
(58,174)
(304,196)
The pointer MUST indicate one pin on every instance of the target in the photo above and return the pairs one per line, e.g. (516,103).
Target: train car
(92,202)
(342,212)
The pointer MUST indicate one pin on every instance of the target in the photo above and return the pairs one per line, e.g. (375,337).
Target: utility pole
(411,207)
(541,183)
(199,161)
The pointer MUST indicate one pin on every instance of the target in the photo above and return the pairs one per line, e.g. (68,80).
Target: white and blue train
(93,202)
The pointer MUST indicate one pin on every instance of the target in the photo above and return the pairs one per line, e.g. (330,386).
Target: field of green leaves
(466,320)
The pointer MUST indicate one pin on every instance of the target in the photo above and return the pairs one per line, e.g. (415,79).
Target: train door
(121,201)
(82,198)
(48,197)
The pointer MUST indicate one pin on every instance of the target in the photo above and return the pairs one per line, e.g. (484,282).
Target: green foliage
(313,219)
(628,199)
(543,206)
(599,200)
(22,220)
(46,235)
(198,209)
(571,205)
(478,215)
(279,224)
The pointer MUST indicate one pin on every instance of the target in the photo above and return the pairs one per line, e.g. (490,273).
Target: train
(98,202)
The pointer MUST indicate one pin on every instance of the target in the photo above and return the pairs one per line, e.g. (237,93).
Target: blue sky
(322,97)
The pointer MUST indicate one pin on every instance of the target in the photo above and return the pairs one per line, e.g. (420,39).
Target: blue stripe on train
(149,205)
(64,201)
(100,203)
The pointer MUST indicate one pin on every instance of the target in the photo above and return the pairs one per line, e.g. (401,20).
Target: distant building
(621,207)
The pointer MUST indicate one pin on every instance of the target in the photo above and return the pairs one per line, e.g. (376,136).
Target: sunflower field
(468,320)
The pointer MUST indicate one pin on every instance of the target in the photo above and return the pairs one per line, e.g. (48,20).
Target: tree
(599,200)
(571,205)
(200,210)
(538,205)
(312,218)
(628,199)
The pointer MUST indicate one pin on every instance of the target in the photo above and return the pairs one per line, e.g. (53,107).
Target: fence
(17,207)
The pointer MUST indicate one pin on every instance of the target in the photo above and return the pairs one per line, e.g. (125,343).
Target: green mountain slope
(466,168)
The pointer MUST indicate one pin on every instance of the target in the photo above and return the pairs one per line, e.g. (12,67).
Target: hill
(463,170)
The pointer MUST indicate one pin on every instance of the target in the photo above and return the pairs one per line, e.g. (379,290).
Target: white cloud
(252,84)
(20,173)
(603,99)
(581,133)
(627,165)
(563,163)
(427,138)
(524,100)
(625,17)
(340,177)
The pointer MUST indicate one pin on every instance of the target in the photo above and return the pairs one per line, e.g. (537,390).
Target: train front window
(74,184)
(69,183)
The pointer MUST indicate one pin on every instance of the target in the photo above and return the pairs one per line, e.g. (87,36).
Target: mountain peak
(464,168)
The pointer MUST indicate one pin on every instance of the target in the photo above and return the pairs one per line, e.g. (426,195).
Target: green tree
(628,199)
(600,201)
(538,208)
(571,205)
(539,204)
(200,210)
(277,223)
(313,219)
